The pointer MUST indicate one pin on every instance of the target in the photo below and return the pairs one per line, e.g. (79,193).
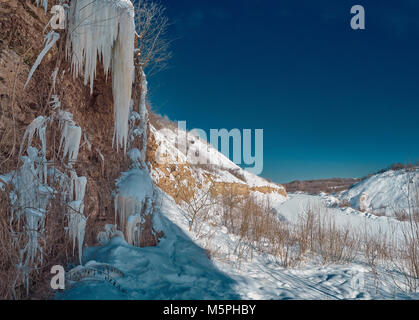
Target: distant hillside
(388,192)
(322,185)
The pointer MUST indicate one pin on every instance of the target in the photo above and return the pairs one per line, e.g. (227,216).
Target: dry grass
(405,258)
(259,229)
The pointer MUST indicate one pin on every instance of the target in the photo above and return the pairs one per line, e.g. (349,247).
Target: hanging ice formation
(105,30)
(51,38)
(32,193)
(30,199)
(44,4)
(75,186)
(143,115)
(134,230)
(133,201)
(70,136)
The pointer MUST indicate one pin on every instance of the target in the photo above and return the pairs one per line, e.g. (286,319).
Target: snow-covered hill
(197,164)
(385,193)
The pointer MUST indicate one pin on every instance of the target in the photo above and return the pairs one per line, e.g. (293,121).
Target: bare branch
(153,46)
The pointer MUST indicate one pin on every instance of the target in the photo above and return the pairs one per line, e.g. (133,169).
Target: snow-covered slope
(179,267)
(204,263)
(385,192)
(180,157)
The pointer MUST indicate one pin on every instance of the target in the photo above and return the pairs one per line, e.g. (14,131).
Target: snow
(344,217)
(178,268)
(385,192)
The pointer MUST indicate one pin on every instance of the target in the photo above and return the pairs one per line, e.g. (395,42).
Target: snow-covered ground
(386,192)
(178,268)
(204,264)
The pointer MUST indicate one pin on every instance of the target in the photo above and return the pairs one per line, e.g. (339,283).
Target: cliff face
(176,173)
(22,26)
(21,41)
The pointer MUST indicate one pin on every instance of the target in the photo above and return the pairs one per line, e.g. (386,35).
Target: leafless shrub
(196,202)
(322,185)
(153,50)
(213,168)
(318,233)
(344,204)
(9,256)
(237,174)
(158,121)
(401,215)
(405,258)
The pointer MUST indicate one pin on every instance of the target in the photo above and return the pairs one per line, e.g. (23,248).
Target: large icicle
(50,39)
(134,230)
(133,189)
(144,116)
(105,30)
(76,225)
(70,136)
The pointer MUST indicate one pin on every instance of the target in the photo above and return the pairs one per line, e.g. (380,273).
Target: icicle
(50,39)
(70,136)
(76,225)
(105,30)
(122,77)
(75,212)
(143,97)
(125,207)
(54,78)
(144,116)
(44,4)
(31,200)
(35,127)
(78,186)
(133,230)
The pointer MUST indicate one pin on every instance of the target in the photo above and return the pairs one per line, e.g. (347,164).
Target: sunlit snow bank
(386,192)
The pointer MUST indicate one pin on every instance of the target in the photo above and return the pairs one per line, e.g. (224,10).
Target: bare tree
(153,45)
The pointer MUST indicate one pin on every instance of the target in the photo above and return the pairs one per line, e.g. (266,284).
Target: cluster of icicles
(104,30)
(33,190)
(133,200)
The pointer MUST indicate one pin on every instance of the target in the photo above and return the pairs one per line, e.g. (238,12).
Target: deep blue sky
(333,102)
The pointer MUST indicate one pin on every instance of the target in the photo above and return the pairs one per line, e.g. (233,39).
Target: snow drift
(385,192)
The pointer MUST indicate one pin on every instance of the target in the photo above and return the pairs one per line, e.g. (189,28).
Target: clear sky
(333,102)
